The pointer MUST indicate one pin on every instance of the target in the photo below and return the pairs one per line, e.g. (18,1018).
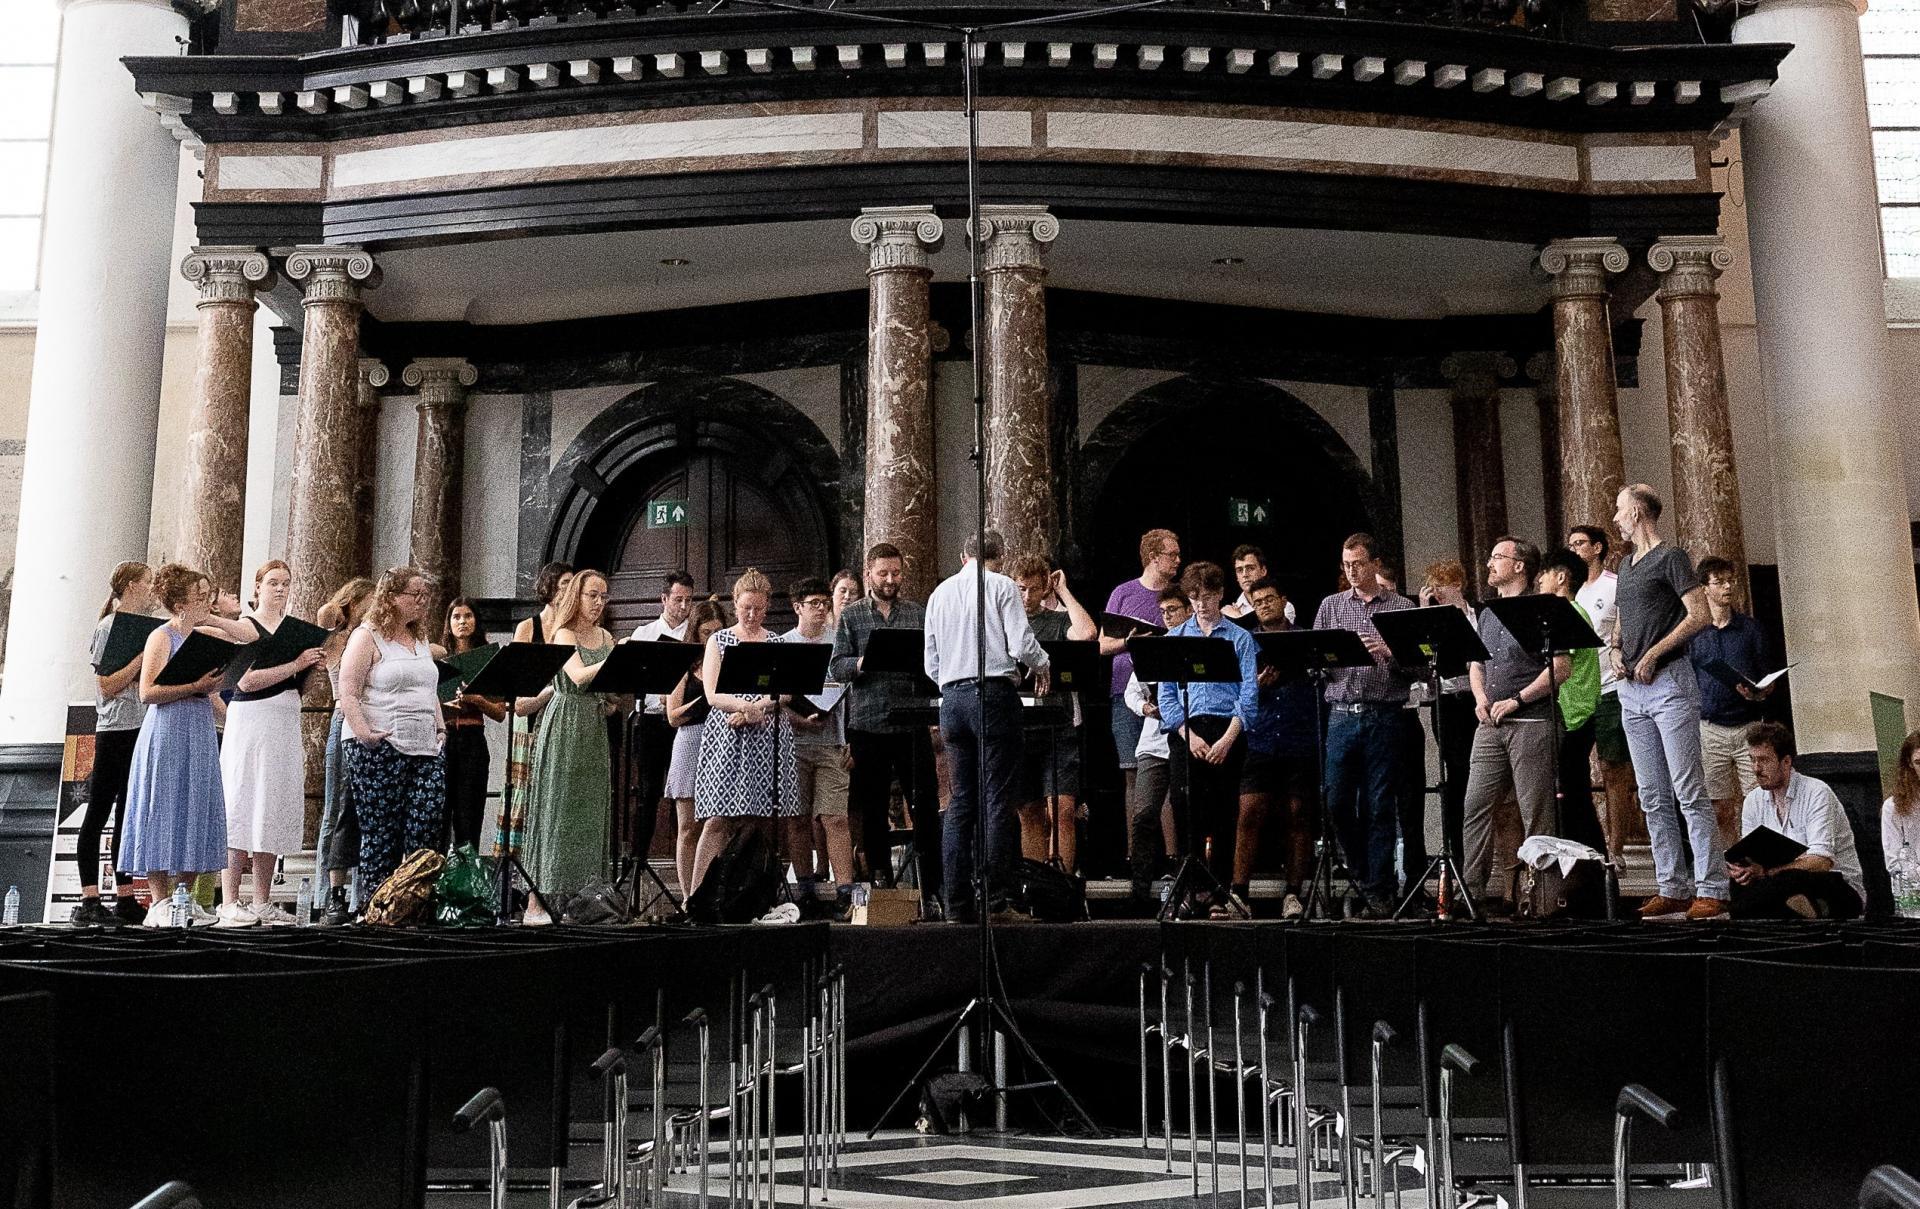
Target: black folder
(457,670)
(198,655)
(1765,847)
(126,639)
(1121,626)
(284,645)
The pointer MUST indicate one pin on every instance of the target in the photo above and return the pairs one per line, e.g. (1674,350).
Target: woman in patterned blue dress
(176,811)
(737,770)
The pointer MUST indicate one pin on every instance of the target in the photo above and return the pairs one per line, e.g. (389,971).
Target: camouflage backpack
(405,897)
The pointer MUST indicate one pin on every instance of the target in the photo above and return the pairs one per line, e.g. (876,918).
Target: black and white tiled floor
(901,1170)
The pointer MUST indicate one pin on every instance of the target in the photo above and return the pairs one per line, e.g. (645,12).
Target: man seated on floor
(1824,881)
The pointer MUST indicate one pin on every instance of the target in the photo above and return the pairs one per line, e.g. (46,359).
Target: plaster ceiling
(538,279)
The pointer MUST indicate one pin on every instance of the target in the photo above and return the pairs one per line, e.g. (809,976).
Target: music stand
(1071,663)
(774,669)
(1547,625)
(1184,660)
(639,669)
(518,669)
(902,651)
(1439,639)
(1316,654)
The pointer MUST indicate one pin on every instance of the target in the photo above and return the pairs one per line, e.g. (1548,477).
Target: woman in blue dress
(176,808)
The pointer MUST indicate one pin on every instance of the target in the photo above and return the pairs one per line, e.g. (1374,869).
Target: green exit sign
(1249,514)
(666,514)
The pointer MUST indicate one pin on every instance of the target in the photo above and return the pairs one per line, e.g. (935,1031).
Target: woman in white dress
(263,766)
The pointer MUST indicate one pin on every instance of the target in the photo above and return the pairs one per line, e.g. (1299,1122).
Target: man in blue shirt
(1280,759)
(1206,731)
(1734,642)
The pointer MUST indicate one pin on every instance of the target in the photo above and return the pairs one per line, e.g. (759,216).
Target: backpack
(740,884)
(1052,894)
(404,898)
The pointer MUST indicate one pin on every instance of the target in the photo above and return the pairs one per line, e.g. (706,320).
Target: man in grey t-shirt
(1659,607)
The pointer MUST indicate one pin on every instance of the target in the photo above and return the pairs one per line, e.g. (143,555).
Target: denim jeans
(1662,721)
(1362,789)
(981,726)
(338,844)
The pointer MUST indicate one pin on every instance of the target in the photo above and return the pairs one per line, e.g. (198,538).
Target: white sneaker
(201,916)
(233,915)
(1292,908)
(159,915)
(273,915)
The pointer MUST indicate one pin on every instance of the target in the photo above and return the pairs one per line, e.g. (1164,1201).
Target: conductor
(980,714)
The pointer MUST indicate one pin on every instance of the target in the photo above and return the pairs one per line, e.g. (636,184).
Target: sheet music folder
(646,667)
(775,669)
(1437,635)
(519,669)
(1185,659)
(126,640)
(198,655)
(1530,617)
(1119,625)
(456,670)
(1765,847)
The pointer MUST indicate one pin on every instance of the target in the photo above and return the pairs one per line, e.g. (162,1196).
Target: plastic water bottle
(182,910)
(11,915)
(303,903)
(1905,876)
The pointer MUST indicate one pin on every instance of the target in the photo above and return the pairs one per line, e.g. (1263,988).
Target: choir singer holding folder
(1796,858)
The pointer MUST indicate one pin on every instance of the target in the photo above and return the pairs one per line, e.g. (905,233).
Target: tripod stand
(1438,639)
(774,669)
(644,668)
(516,670)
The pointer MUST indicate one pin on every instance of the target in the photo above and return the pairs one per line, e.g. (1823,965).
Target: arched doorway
(758,481)
(1175,455)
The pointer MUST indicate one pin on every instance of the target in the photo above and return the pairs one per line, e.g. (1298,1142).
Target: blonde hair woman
(390,694)
(263,763)
(572,784)
(738,774)
(337,850)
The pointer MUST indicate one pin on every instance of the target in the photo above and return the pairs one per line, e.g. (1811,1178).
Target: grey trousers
(1517,757)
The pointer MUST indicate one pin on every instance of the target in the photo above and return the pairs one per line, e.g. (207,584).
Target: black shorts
(1280,776)
(1049,770)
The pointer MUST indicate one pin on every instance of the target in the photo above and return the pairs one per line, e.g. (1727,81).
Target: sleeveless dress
(571,795)
(686,741)
(263,768)
(176,809)
(736,773)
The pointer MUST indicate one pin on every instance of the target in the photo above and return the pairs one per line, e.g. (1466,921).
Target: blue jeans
(338,844)
(1126,732)
(1662,721)
(1362,789)
(965,709)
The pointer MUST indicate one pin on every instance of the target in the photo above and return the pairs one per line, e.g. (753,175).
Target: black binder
(126,639)
(198,655)
(1765,847)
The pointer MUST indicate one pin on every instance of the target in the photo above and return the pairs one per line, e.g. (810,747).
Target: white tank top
(402,696)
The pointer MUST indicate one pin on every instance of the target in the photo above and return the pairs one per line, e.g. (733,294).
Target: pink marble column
(1018,402)
(902,497)
(438,458)
(1592,466)
(1706,491)
(213,496)
(1480,471)
(373,376)
(322,523)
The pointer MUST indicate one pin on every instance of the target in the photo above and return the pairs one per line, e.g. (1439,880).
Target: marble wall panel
(952,441)
(1105,387)
(1429,505)
(948,128)
(1343,407)
(297,173)
(573,410)
(1526,490)
(814,392)
(396,437)
(1651,163)
(489,547)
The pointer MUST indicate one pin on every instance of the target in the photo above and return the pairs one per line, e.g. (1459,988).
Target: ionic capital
(1476,375)
(373,375)
(332,273)
(441,381)
(1013,237)
(897,237)
(1689,264)
(227,274)
(1580,267)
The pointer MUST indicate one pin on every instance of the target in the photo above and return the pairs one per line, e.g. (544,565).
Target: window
(1890,36)
(26,121)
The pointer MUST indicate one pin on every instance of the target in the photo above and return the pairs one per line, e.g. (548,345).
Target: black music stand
(1439,639)
(518,669)
(1547,625)
(774,669)
(642,668)
(1184,660)
(1071,665)
(1316,654)
(903,652)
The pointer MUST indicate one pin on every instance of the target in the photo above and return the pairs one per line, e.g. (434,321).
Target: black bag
(945,1097)
(1052,894)
(740,884)
(600,902)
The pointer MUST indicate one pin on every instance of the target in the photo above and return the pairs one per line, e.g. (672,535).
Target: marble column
(213,497)
(1543,369)
(94,406)
(1706,491)
(1592,467)
(373,376)
(1840,506)
(439,454)
(1019,428)
(1480,472)
(902,495)
(321,523)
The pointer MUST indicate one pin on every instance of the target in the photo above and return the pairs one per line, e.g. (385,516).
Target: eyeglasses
(1512,558)
(1355,565)
(816,602)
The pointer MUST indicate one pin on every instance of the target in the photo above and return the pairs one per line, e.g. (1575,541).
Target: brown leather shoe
(1660,905)
(1707,908)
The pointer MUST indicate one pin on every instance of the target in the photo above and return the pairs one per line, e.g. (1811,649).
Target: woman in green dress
(571,783)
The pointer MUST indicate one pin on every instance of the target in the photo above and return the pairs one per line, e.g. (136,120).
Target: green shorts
(1609,738)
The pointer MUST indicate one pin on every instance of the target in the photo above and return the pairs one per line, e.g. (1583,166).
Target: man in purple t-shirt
(1139,599)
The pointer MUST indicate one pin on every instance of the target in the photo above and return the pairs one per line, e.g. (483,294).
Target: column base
(29,811)
(1855,777)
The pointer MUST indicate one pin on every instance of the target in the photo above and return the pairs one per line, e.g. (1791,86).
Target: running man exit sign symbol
(666,514)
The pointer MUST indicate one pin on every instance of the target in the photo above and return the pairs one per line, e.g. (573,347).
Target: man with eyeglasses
(1512,698)
(1364,730)
(1140,600)
(820,756)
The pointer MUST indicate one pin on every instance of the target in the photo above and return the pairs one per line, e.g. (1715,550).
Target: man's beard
(886,591)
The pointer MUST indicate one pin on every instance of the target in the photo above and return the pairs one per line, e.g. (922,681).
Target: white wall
(1429,505)
(490,504)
